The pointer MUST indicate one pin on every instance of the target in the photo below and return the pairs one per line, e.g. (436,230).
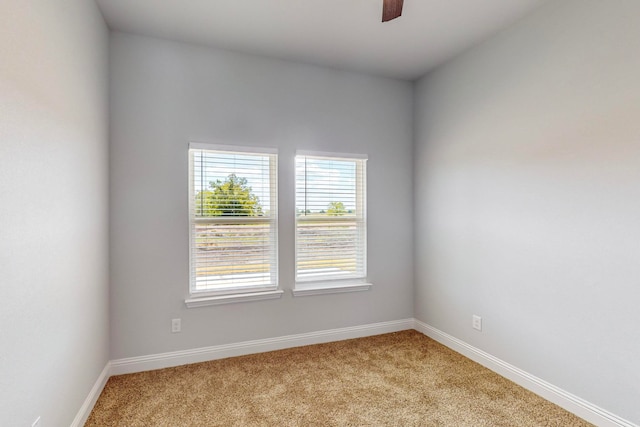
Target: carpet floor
(398,379)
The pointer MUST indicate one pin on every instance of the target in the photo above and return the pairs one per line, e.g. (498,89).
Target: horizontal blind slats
(330,218)
(233,220)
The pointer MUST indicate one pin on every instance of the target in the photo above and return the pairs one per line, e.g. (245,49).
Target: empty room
(319,212)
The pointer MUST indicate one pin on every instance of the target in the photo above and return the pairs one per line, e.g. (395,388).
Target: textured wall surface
(165,94)
(53,208)
(527,177)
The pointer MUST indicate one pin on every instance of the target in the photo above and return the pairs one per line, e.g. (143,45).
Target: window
(233,221)
(331,227)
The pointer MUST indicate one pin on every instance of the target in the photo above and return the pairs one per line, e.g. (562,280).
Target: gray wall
(163,95)
(53,208)
(527,177)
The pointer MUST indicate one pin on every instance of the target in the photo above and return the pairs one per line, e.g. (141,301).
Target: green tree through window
(231,197)
(336,209)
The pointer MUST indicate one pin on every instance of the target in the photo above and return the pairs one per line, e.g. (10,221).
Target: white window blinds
(331,227)
(233,219)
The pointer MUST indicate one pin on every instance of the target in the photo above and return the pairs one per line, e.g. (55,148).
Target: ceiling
(345,34)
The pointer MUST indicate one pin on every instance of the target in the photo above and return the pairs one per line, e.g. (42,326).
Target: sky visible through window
(210,167)
(319,181)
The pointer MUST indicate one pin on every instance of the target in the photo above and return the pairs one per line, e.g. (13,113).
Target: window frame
(234,293)
(344,283)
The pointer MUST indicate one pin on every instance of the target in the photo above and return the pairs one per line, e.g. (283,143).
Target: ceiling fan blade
(391,9)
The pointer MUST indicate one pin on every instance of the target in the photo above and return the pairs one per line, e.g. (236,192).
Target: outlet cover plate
(176,325)
(476,322)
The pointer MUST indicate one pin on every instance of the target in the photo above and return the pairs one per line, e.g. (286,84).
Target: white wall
(163,95)
(527,177)
(53,208)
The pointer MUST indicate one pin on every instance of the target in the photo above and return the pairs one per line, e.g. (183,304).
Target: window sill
(230,299)
(331,289)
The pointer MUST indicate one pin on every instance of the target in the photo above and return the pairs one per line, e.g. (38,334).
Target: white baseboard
(92,397)
(177,358)
(562,398)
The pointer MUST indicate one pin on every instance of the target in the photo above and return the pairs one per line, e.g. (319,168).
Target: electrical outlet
(476,322)
(176,325)
(36,423)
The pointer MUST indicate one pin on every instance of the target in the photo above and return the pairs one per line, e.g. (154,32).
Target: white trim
(271,220)
(359,220)
(566,400)
(232,219)
(344,218)
(195,145)
(232,298)
(560,397)
(331,289)
(330,155)
(177,358)
(92,397)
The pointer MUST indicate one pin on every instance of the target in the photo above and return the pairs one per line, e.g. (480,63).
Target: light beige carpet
(399,379)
